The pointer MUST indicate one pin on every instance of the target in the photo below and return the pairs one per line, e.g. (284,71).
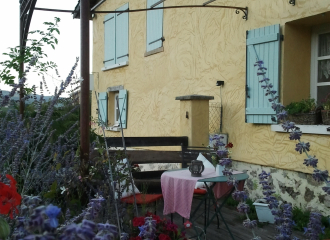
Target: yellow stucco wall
(201,47)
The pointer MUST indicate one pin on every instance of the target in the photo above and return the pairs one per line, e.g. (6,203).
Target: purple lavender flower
(148,230)
(320,175)
(225,161)
(222,153)
(314,226)
(302,147)
(311,161)
(227,172)
(243,208)
(326,189)
(295,135)
(52,213)
(288,126)
(250,224)
(282,115)
(239,195)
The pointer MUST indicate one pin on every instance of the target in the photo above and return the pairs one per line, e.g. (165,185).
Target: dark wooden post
(84,92)
(21,65)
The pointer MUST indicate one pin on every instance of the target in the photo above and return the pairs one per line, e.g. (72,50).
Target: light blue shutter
(154,26)
(109,40)
(262,44)
(123,107)
(122,34)
(103,108)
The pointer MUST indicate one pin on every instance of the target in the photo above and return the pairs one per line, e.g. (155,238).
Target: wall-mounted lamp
(220,83)
(187,115)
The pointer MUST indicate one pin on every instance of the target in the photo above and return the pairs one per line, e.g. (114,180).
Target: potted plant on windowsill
(326,110)
(304,112)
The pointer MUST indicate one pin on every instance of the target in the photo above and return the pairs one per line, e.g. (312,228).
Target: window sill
(157,50)
(113,128)
(118,65)
(309,129)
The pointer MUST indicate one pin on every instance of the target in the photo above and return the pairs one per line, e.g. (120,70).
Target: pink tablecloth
(178,189)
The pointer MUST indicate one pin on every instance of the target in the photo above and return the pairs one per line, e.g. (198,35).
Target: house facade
(143,60)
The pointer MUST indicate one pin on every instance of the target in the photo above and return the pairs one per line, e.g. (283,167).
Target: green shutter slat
(109,40)
(122,96)
(154,26)
(262,44)
(122,35)
(103,107)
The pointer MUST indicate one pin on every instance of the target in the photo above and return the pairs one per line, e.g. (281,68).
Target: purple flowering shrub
(223,155)
(47,166)
(283,215)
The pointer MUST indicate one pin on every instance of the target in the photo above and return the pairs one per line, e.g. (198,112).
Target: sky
(65,52)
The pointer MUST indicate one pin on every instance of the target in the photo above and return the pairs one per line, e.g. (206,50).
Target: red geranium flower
(138,221)
(163,236)
(171,227)
(9,198)
(187,224)
(229,145)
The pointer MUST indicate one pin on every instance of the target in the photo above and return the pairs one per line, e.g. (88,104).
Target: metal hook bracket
(245,11)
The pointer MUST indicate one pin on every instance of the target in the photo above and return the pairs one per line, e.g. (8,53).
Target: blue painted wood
(122,34)
(262,44)
(263,39)
(154,26)
(109,40)
(103,108)
(123,107)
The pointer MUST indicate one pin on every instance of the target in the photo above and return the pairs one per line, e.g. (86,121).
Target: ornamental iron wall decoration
(293,2)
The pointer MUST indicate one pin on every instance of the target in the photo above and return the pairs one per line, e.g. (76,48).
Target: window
(320,63)
(113,107)
(116,39)
(154,27)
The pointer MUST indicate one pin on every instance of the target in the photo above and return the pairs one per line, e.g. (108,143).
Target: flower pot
(263,212)
(312,118)
(326,117)
(219,169)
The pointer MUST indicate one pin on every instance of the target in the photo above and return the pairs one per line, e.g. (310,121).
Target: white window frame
(314,59)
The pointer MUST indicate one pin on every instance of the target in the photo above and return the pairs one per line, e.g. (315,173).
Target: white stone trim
(310,129)
(118,65)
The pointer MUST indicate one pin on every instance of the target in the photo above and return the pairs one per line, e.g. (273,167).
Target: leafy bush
(304,106)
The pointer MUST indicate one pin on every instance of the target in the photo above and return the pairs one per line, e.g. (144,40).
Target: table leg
(218,209)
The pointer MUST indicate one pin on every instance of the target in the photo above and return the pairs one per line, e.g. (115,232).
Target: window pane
(322,92)
(323,71)
(324,44)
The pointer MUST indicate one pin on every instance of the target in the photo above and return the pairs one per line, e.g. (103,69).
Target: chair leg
(205,215)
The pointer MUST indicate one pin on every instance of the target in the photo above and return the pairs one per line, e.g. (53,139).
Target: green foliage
(304,106)
(34,47)
(4,229)
(326,102)
(300,217)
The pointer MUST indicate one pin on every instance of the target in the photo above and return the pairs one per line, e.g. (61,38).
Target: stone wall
(297,188)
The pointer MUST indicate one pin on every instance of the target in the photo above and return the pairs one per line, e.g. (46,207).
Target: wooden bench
(137,156)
